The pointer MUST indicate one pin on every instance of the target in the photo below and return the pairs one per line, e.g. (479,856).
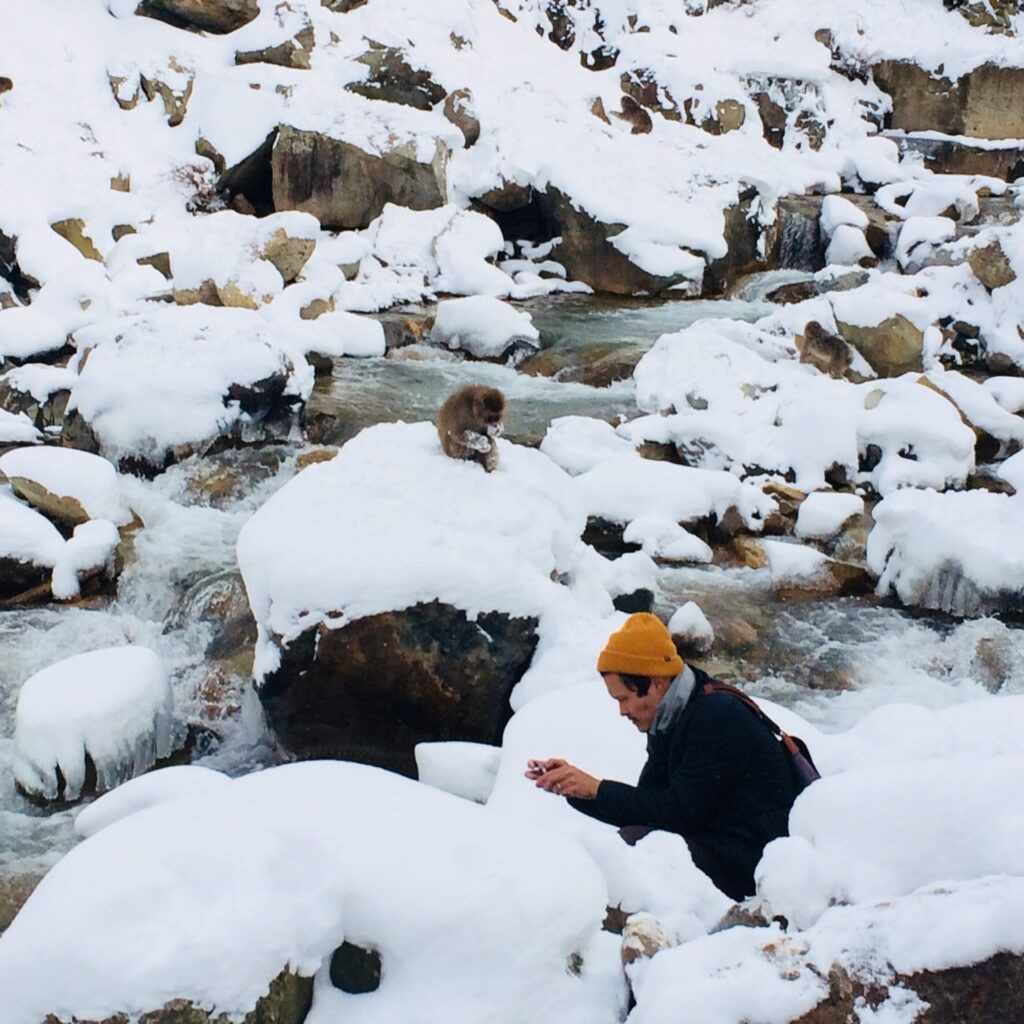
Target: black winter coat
(719,778)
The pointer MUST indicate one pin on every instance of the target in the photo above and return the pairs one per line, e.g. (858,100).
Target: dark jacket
(718,777)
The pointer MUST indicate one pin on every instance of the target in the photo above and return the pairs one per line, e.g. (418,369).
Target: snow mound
(17,428)
(112,706)
(392,521)
(903,826)
(690,622)
(67,473)
(823,513)
(579,443)
(960,552)
(442,888)
(462,769)
(484,327)
(91,549)
(172,783)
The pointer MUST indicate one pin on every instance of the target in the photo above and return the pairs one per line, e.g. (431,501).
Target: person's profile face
(639,710)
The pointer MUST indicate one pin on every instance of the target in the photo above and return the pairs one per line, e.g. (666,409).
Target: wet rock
(458,107)
(748,551)
(288,1002)
(14,891)
(606,537)
(787,294)
(19,580)
(893,347)
(392,79)
(979,993)
(370,690)
(219,16)
(746,247)
(990,266)
(292,53)
(837,579)
(345,187)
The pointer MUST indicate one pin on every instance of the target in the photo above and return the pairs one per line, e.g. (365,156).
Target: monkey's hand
(495,430)
(474,442)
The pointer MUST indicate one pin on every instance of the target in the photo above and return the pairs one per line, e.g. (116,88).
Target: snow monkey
(469,424)
(826,352)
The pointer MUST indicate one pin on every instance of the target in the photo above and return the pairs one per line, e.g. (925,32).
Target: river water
(831,660)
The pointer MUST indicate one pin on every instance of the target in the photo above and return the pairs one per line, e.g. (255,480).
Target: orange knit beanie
(643,647)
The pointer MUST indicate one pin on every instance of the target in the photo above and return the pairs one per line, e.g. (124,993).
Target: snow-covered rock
(823,513)
(68,485)
(332,852)
(29,545)
(110,709)
(483,327)
(959,552)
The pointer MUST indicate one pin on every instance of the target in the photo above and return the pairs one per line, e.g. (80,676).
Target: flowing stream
(831,660)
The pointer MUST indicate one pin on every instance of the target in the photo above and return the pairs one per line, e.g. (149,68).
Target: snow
(112,705)
(25,535)
(624,488)
(173,783)
(333,852)
(848,247)
(158,380)
(17,428)
(90,549)
(690,622)
(822,514)
(793,563)
(392,521)
(958,552)
(578,443)
(462,769)
(67,473)
(483,327)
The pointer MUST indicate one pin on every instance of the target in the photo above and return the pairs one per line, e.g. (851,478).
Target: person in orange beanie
(716,774)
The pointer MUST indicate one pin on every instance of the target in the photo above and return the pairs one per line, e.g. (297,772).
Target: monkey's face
(489,413)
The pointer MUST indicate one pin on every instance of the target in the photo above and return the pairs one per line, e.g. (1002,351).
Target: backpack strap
(793,744)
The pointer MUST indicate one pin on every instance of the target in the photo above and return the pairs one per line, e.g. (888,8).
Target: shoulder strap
(715,686)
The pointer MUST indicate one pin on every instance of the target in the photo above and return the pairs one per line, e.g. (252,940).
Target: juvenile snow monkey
(469,424)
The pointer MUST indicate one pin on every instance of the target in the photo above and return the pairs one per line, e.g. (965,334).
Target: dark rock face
(354,969)
(588,255)
(219,16)
(288,1002)
(292,53)
(986,103)
(17,577)
(393,80)
(345,187)
(984,993)
(371,690)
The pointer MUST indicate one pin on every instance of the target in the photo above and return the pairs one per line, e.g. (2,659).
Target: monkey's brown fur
(823,350)
(469,422)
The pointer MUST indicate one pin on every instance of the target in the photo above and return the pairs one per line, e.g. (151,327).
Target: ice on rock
(91,481)
(112,707)
(278,868)
(960,552)
(482,326)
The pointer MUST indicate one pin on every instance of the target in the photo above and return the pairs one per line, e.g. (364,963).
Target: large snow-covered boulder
(91,721)
(162,385)
(959,552)
(284,866)
(396,576)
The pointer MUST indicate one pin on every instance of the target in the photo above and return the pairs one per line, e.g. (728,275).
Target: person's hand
(560,777)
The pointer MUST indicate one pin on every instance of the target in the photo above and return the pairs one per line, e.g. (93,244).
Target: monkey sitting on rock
(469,424)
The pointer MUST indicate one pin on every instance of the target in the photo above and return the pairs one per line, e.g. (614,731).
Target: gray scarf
(676,696)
